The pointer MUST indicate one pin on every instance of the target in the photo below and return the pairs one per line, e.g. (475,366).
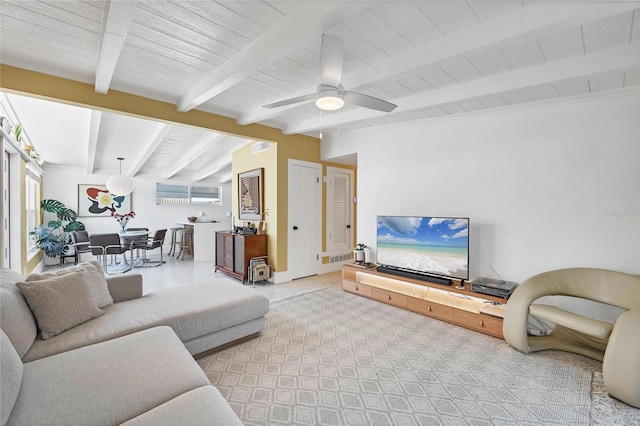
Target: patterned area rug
(609,411)
(331,358)
(279,292)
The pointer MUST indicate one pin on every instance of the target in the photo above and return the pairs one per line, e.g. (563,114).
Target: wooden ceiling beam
(119,15)
(49,87)
(211,170)
(525,23)
(155,139)
(197,150)
(306,21)
(620,58)
(94,132)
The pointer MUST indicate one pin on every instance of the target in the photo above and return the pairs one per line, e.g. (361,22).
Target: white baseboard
(284,276)
(333,267)
(280,277)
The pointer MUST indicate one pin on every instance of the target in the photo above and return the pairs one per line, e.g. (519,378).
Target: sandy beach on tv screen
(437,264)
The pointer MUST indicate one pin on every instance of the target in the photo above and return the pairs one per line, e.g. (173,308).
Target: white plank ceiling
(431,58)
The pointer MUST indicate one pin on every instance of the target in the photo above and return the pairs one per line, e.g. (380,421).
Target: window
(204,195)
(184,194)
(172,194)
(32,201)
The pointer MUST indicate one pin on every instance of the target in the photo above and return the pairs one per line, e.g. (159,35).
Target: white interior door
(339,210)
(305,227)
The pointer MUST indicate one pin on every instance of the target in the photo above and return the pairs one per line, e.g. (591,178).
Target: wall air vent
(339,258)
(259,147)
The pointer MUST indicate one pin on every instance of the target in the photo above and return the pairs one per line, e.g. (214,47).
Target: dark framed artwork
(96,200)
(250,194)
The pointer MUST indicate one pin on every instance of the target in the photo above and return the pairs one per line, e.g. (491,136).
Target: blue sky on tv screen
(432,231)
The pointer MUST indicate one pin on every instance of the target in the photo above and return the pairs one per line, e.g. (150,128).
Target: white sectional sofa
(131,363)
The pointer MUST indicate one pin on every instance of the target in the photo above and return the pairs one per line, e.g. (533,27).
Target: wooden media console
(462,307)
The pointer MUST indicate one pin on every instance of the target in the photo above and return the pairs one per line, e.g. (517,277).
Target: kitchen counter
(204,237)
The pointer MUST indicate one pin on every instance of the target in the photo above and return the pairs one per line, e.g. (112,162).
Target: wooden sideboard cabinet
(457,306)
(234,251)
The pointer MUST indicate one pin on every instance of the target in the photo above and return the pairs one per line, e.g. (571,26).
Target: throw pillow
(59,303)
(94,277)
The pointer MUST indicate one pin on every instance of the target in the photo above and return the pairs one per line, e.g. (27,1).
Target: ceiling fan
(330,94)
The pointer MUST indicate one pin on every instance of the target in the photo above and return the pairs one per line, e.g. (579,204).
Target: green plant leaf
(67,214)
(74,226)
(55,244)
(52,248)
(54,224)
(17,131)
(41,232)
(52,206)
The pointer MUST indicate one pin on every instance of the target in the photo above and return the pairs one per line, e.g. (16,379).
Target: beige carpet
(331,358)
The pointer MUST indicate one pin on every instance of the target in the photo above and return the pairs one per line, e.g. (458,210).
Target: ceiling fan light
(120,185)
(329,103)
(329,98)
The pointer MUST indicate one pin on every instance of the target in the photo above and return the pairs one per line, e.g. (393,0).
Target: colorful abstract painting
(96,200)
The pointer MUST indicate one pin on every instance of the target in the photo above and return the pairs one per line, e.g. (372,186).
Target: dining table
(125,238)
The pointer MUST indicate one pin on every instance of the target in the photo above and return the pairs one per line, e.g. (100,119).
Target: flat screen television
(431,246)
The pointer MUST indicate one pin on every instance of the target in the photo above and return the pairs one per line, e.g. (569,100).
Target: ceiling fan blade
(368,101)
(290,101)
(331,57)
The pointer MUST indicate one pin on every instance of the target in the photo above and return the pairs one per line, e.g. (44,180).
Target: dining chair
(152,243)
(129,240)
(80,243)
(103,245)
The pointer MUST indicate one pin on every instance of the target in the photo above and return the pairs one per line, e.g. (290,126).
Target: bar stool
(174,245)
(186,242)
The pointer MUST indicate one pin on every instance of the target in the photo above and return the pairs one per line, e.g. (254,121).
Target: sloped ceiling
(431,58)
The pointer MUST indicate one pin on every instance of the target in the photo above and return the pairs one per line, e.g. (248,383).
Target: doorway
(304,224)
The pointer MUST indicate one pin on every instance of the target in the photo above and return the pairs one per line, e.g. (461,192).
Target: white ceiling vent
(259,147)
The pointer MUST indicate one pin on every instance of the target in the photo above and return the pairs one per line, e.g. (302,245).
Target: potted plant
(53,237)
(358,252)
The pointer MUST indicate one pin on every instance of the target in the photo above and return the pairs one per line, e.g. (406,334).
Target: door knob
(295,228)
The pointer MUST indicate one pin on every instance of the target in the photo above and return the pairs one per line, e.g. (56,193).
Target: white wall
(61,183)
(545,187)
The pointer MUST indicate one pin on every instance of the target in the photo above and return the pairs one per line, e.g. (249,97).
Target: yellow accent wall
(276,171)
(31,83)
(244,161)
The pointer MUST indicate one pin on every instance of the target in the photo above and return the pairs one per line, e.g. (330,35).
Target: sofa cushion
(10,376)
(16,318)
(93,275)
(60,302)
(108,383)
(192,311)
(202,406)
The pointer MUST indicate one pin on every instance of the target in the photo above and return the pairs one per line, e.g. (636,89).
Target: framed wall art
(250,194)
(96,200)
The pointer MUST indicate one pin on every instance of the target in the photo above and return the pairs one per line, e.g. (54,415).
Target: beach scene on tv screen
(426,244)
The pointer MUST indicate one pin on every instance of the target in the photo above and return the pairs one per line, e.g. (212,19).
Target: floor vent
(259,147)
(340,258)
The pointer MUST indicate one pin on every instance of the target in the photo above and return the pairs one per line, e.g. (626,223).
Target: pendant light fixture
(119,184)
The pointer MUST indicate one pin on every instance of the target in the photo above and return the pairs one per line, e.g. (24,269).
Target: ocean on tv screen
(436,245)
